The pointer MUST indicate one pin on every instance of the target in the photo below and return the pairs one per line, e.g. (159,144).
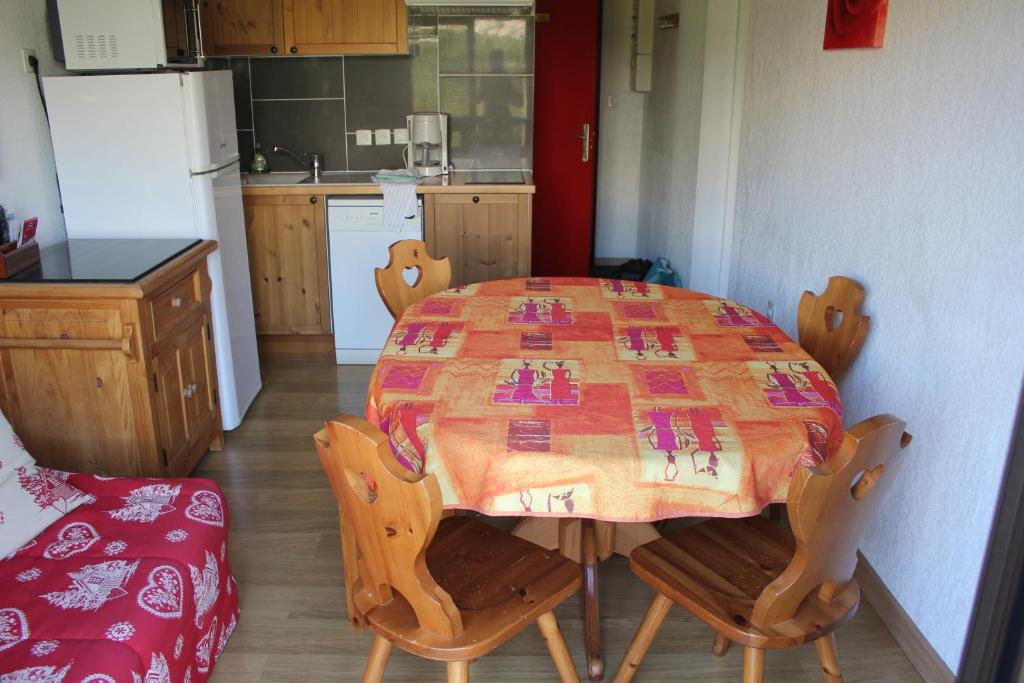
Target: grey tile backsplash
(477,69)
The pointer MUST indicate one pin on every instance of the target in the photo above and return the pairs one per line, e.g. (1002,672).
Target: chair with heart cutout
(444,588)
(431,276)
(759,585)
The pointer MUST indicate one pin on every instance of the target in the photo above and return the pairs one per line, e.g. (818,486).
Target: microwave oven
(125,35)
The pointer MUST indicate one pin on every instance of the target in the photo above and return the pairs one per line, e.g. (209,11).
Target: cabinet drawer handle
(488,263)
(293,49)
(190,390)
(312,200)
(273,49)
(176,302)
(476,200)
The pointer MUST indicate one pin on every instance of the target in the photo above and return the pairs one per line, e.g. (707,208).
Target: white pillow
(12,451)
(31,498)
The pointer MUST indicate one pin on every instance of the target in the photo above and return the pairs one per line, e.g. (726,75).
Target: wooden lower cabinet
(114,379)
(287,241)
(182,381)
(486,236)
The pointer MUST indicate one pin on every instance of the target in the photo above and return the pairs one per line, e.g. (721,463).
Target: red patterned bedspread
(134,586)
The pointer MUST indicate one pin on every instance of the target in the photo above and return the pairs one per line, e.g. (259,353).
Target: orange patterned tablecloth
(600,398)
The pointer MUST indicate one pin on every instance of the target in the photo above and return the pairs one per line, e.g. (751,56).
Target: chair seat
(717,570)
(499,582)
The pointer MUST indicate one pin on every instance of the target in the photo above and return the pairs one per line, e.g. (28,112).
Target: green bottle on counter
(259,161)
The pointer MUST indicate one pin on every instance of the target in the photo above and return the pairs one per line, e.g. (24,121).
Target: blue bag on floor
(661,274)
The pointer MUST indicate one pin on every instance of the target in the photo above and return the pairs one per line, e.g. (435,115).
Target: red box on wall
(855,23)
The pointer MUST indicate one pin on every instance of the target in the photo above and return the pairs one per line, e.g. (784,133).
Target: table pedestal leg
(591,620)
(587,542)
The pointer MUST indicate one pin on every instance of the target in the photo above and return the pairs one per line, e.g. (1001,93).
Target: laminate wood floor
(285,553)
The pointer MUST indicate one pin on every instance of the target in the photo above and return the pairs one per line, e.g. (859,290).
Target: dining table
(592,408)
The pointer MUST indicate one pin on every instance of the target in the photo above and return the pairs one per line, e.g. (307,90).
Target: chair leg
(721,645)
(379,654)
(458,672)
(826,647)
(656,614)
(548,626)
(753,665)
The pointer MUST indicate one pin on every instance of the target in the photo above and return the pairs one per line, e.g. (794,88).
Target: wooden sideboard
(115,379)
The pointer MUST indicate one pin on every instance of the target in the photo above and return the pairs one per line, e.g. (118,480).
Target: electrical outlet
(382,136)
(769,311)
(27,52)
(401,136)
(364,137)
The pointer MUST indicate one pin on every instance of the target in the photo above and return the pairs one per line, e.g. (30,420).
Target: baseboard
(296,347)
(918,650)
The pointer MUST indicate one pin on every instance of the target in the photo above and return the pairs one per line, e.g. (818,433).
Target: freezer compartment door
(119,144)
(209,120)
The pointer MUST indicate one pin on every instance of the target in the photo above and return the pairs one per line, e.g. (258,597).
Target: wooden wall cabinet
(486,236)
(287,241)
(305,27)
(114,379)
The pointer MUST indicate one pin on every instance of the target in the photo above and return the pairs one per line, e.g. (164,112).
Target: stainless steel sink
(340,178)
(273,178)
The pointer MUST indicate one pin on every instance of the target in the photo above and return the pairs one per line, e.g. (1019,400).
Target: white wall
(904,168)
(671,136)
(619,132)
(28,178)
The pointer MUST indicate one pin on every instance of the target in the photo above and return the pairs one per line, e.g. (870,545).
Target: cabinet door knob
(176,302)
(273,49)
(293,49)
(312,200)
(476,200)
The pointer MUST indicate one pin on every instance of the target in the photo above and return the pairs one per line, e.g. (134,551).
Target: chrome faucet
(314,162)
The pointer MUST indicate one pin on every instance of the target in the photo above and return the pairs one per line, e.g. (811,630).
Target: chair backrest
(394,513)
(435,275)
(829,506)
(833,346)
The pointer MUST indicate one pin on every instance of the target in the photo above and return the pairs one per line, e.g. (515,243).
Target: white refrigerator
(156,155)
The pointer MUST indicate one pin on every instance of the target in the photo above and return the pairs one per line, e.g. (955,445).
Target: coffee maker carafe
(427,150)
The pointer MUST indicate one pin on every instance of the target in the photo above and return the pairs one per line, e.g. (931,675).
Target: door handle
(585,136)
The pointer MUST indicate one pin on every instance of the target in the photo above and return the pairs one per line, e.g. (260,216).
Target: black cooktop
(103,260)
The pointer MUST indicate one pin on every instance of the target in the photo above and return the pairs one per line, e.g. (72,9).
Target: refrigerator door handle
(221,169)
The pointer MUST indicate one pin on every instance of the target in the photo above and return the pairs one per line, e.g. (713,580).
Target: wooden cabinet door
(481,234)
(345,26)
(287,243)
(175,435)
(200,384)
(243,27)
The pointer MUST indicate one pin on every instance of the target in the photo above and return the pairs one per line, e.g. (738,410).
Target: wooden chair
(450,589)
(756,584)
(833,346)
(435,275)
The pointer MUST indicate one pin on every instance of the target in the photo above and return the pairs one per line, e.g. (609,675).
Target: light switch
(382,136)
(364,137)
(401,136)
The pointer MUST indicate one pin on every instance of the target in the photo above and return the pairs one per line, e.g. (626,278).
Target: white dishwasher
(358,243)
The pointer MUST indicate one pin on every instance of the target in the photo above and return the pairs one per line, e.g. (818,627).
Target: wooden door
(479,233)
(287,243)
(169,386)
(345,26)
(196,371)
(565,118)
(243,27)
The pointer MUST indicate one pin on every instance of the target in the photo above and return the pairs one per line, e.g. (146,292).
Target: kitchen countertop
(358,182)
